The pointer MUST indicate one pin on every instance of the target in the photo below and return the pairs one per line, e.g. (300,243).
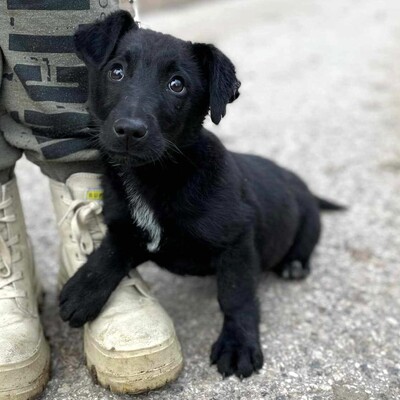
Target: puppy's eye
(177,85)
(116,73)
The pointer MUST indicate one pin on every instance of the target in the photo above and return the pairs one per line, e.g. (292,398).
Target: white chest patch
(144,216)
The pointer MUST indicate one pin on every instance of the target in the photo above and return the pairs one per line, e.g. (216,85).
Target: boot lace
(135,280)
(8,257)
(85,230)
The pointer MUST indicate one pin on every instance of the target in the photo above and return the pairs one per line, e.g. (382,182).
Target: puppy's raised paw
(234,357)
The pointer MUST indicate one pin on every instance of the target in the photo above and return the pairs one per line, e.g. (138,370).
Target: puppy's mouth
(127,158)
(133,158)
(130,150)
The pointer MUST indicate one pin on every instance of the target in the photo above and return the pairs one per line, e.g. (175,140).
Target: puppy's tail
(326,205)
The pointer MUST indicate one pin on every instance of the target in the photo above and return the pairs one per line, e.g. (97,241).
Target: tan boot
(131,347)
(24,353)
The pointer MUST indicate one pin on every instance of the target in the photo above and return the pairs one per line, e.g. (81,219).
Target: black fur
(220,212)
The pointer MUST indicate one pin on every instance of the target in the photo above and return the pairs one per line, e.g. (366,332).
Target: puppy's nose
(128,127)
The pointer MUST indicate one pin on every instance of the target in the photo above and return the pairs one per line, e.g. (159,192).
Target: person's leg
(24,353)
(8,155)
(47,118)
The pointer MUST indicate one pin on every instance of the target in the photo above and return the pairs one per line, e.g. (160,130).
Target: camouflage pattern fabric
(43,85)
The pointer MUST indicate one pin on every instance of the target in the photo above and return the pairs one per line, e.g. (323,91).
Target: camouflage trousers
(43,85)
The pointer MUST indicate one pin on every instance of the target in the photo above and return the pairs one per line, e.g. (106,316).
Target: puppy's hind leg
(296,264)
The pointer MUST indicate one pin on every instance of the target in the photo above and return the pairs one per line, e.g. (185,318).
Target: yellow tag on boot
(94,194)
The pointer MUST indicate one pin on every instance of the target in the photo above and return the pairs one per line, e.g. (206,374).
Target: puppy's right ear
(95,43)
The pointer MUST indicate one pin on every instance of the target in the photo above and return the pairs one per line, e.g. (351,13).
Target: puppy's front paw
(294,270)
(232,356)
(81,299)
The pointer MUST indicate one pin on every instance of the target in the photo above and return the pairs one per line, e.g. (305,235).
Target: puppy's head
(150,91)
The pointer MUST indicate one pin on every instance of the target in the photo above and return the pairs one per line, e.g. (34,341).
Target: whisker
(179,151)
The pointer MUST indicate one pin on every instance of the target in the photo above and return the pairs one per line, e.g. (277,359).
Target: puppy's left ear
(221,75)
(95,43)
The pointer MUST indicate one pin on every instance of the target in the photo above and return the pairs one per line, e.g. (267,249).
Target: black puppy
(174,194)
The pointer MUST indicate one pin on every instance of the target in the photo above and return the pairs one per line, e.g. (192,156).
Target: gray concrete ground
(321,95)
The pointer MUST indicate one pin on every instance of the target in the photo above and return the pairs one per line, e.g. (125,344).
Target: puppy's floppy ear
(221,75)
(95,43)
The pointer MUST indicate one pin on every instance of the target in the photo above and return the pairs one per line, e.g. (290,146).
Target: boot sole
(143,370)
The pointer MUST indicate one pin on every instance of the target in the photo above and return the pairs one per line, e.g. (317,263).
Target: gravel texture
(321,95)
